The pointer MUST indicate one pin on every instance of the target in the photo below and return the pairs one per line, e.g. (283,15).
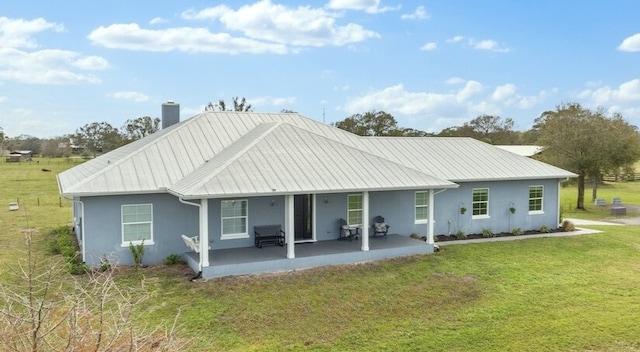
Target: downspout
(83,250)
(558,195)
(430,235)
(199,274)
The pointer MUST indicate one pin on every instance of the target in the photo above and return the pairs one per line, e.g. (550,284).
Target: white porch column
(365,221)
(431,220)
(204,233)
(289,226)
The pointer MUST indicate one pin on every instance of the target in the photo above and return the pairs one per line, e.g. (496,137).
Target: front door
(303,216)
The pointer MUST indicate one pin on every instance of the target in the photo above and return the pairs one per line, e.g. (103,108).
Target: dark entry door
(303,221)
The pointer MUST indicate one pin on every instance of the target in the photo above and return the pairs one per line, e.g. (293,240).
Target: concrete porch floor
(252,260)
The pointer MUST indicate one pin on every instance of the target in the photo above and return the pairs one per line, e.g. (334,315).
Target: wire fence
(42,201)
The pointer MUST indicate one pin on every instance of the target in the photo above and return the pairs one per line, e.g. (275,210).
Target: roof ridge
(236,154)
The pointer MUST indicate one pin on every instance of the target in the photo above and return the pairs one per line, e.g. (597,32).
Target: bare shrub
(567,226)
(43,308)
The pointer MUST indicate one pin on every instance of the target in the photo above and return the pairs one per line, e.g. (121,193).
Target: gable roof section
(156,162)
(278,158)
(461,159)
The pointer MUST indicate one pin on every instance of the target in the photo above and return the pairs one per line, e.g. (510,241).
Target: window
(481,202)
(137,224)
(536,195)
(354,209)
(421,207)
(234,219)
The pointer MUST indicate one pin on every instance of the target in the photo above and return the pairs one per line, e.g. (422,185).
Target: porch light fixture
(273,203)
(326,200)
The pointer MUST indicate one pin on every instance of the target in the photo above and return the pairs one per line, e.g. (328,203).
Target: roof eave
(520,178)
(277,193)
(105,194)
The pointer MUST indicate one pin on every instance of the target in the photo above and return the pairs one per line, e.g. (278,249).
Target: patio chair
(380,227)
(347,232)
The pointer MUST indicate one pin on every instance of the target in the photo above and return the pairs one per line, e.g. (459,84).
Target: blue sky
(431,64)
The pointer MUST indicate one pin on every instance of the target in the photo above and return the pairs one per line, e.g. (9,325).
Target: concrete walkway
(582,222)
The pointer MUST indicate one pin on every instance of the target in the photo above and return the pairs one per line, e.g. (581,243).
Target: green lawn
(576,293)
(41,207)
(629,192)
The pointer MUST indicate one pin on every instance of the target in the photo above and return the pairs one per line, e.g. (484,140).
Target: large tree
(98,137)
(239,104)
(140,127)
(375,123)
(586,142)
(487,128)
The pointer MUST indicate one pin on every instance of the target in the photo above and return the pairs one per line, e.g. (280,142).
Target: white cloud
(503,92)
(454,80)
(625,93)
(301,26)
(44,67)
(631,44)
(3,98)
(95,63)
(419,14)
(49,66)
(486,44)
(132,96)
(449,108)
(368,6)
(210,13)
(396,99)
(132,37)
(470,89)
(456,39)
(158,20)
(17,33)
(429,46)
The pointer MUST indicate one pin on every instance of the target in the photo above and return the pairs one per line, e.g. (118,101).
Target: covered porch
(252,260)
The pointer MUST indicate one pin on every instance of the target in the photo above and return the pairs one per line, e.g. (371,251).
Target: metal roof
(218,154)
(461,159)
(278,158)
(524,150)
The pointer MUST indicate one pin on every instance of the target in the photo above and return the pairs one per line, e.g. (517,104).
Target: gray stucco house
(199,187)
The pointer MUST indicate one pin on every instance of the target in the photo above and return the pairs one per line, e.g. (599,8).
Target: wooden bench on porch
(269,234)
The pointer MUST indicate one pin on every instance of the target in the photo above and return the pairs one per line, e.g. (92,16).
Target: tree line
(588,142)
(91,139)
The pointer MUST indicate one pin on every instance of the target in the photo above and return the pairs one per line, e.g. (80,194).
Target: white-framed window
(421,207)
(137,224)
(536,197)
(354,209)
(480,204)
(234,216)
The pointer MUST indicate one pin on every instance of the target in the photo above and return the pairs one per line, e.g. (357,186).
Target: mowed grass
(579,293)
(628,192)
